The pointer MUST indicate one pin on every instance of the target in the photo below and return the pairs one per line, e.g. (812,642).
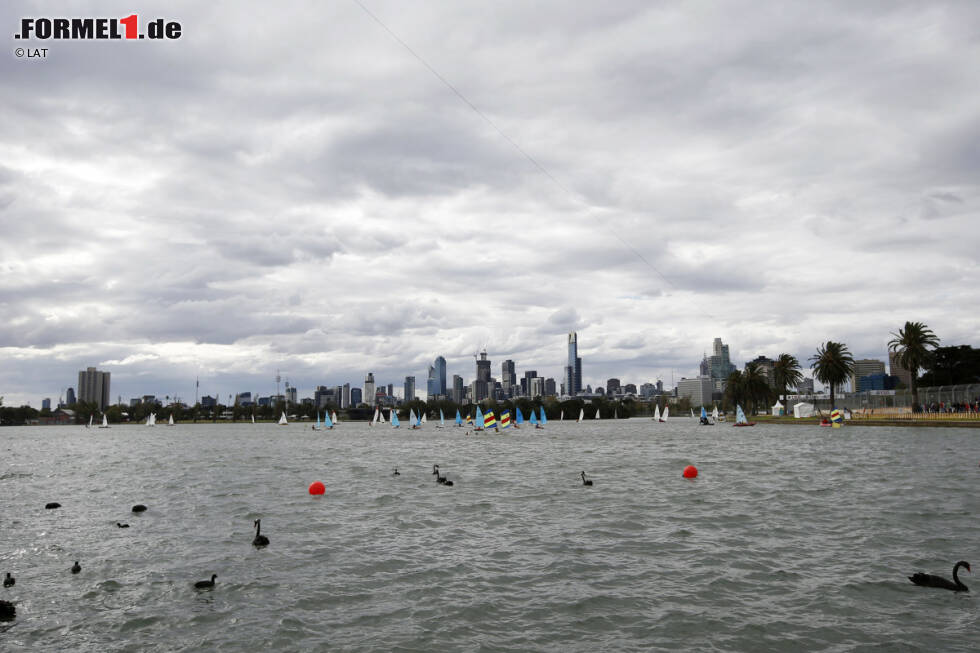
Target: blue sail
(544,420)
(740,416)
(394,418)
(704,413)
(520,417)
(318,420)
(459,420)
(326,420)
(478,423)
(534,418)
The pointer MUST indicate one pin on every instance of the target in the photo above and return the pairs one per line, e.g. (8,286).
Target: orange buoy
(316,487)
(690,471)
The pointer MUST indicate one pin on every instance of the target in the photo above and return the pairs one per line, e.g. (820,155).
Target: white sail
(581,414)
(714,413)
(561,416)
(374,418)
(253,418)
(656,412)
(333,418)
(597,413)
(282,419)
(171,421)
(381,417)
(423,418)
(89,422)
(666,413)
(105,422)
(692,413)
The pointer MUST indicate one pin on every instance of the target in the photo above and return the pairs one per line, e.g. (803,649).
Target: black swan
(204,584)
(260,540)
(928,580)
(9,580)
(139,507)
(442,480)
(586,481)
(7,611)
(52,505)
(435,469)
(76,567)
(396,472)
(122,525)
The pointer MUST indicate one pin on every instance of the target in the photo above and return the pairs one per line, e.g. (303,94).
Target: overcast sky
(288,187)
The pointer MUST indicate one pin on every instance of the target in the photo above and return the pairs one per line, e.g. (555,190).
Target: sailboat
(704,417)
(105,422)
(374,418)
(504,419)
(253,418)
(442,420)
(381,417)
(597,413)
(561,416)
(316,426)
(423,420)
(334,418)
(327,424)
(478,423)
(740,418)
(282,419)
(581,415)
(459,419)
(663,418)
(89,425)
(170,422)
(534,419)
(151,419)
(413,420)
(656,413)
(714,415)
(394,419)
(490,421)
(520,417)
(542,421)
(615,413)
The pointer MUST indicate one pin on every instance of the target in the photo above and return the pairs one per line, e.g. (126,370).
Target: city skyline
(648,176)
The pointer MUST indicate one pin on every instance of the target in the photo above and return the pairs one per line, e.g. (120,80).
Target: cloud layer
(287,187)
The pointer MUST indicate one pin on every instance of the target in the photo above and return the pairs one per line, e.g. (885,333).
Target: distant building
(291,396)
(369,389)
(345,399)
(70,397)
(206,401)
(440,374)
(136,401)
(93,386)
(880,381)
(355,397)
(720,364)
(573,368)
(629,389)
(46,403)
(458,393)
(508,377)
(865,367)
(410,387)
(612,386)
(600,391)
(391,390)
(243,399)
(768,368)
(699,390)
(536,387)
(549,387)
(705,366)
(648,390)
(482,388)
(895,369)
(805,386)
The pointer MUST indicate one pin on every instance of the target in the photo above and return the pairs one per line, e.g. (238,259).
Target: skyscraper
(482,387)
(70,397)
(431,383)
(355,397)
(93,385)
(440,367)
(508,377)
(865,367)
(345,400)
(410,387)
(458,391)
(720,364)
(369,388)
(573,369)
(895,369)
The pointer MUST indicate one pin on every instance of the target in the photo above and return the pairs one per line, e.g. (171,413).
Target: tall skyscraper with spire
(369,389)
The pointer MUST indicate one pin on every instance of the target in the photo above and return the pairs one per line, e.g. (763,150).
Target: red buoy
(316,487)
(689,472)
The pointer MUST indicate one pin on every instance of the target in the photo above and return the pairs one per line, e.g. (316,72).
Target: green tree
(756,389)
(832,365)
(787,374)
(912,344)
(734,389)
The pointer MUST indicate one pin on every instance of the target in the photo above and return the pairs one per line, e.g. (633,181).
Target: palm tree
(832,364)
(755,386)
(912,343)
(786,373)
(734,389)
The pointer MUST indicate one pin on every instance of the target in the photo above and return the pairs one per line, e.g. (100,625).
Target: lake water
(791,538)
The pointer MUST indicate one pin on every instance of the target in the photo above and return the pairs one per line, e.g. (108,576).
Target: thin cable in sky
(507,138)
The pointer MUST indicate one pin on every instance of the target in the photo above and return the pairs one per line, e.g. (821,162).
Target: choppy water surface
(792,538)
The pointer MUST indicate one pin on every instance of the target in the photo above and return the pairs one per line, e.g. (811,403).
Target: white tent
(803,409)
(778,409)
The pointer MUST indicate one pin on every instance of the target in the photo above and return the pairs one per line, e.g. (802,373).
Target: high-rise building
(720,364)
(768,368)
(391,389)
(536,387)
(355,397)
(865,367)
(410,388)
(70,397)
(705,366)
(369,391)
(458,391)
(806,386)
(291,396)
(699,390)
(431,383)
(345,400)
(508,376)
(482,387)
(573,368)
(549,387)
(46,403)
(895,368)
(648,390)
(440,366)
(629,388)
(612,386)
(93,385)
